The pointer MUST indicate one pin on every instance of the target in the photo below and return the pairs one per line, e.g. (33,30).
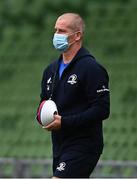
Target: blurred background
(26,31)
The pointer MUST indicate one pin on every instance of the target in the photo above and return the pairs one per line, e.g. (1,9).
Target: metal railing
(38,168)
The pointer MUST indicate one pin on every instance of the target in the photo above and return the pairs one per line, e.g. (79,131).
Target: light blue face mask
(60,42)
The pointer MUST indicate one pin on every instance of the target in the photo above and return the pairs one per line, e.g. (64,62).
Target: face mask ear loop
(72,34)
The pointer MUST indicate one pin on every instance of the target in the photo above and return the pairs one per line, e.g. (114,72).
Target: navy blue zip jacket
(82,99)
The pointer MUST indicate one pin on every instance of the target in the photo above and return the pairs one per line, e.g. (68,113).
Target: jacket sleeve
(98,99)
(42,94)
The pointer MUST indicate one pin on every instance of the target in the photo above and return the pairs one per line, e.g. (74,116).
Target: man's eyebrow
(60,29)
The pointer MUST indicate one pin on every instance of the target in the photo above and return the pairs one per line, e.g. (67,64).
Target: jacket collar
(82,52)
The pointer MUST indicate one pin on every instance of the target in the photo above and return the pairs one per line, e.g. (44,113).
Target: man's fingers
(55,124)
(56,116)
(48,127)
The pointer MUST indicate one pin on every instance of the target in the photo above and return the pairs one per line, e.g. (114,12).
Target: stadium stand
(26,48)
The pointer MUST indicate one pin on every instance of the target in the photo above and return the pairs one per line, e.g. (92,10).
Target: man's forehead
(65,21)
(61,22)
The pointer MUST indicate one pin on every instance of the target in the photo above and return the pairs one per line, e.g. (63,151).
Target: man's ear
(78,36)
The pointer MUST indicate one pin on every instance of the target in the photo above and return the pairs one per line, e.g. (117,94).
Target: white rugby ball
(46,112)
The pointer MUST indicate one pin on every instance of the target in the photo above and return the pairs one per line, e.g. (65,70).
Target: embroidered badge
(61,166)
(72,79)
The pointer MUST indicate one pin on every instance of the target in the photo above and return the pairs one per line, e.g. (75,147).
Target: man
(79,87)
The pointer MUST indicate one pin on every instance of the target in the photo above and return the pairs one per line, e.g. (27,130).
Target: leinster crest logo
(72,79)
(61,166)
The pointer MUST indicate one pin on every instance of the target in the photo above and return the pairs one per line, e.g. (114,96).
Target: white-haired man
(79,87)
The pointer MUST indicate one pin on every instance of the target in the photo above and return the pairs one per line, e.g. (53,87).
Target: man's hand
(55,125)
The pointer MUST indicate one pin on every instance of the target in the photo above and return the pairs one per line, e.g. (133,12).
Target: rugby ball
(46,111)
